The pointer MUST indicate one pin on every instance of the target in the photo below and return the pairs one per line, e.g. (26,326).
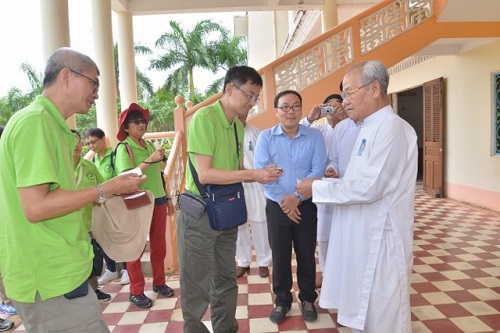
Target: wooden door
(433,137)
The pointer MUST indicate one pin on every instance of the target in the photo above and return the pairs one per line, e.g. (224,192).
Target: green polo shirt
(210,133)
(87,175)
(123,162)
(53,256)
(104,164)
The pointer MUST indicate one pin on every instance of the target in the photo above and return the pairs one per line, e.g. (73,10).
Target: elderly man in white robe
(370,256)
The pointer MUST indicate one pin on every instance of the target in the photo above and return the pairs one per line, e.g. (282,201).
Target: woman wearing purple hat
(139,153)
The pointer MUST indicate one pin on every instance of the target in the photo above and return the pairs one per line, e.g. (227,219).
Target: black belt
(160,201)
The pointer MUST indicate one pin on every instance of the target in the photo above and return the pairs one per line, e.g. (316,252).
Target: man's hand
(331,173)
(270,174)
(304,187)
(315,113)
(123,184)
(290,206)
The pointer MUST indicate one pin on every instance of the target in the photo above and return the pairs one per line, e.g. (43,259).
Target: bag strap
(196,179)
(113,154)
(200,188)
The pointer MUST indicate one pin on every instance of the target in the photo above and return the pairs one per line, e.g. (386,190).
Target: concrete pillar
(329,15)
(261,39)
(281,23)
(106,108)
(55,32)
(55,26)
(126,60)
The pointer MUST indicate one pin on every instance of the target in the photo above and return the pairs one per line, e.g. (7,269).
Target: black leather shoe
(263,271)
(279,313)
(240,271)
(309,312)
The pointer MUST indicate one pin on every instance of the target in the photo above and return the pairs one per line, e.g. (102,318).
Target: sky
(20,36)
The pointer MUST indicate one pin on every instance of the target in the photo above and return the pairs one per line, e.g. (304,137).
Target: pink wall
(474,196)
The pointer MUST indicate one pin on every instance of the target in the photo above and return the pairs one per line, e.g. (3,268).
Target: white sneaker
(107,276)
(125,279)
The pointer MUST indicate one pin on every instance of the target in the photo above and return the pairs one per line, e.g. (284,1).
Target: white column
(55,32)
(126,60)
(106,108)
(329,15)
(261,39)
(55,26)
(281,23)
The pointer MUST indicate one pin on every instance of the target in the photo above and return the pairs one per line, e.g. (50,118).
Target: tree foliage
(15,99)
(207,46)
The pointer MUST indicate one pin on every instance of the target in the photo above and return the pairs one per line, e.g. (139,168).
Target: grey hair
(66,58)
(373,70)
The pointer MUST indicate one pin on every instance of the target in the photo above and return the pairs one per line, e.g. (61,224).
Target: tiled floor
(455,283)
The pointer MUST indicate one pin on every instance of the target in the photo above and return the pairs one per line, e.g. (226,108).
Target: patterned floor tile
(455,283)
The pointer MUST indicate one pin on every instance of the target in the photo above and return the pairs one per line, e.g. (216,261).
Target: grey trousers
(207,274)
(58,314)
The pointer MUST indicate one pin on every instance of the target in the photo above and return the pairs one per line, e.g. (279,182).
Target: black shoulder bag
(224,204)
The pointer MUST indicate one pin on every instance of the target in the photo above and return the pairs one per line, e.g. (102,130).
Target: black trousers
(285,234)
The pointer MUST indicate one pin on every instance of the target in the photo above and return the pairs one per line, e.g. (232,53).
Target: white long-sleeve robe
(372,227)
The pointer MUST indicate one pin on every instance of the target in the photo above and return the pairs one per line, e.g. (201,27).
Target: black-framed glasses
(287,108)
(348,94)
(91,142)
(94,81)
(139,121)
(252,98)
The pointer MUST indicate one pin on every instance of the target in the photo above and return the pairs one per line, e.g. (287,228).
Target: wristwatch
(101,196)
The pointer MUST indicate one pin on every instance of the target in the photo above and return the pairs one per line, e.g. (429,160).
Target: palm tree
(15,99)
(203,47)
(144,84)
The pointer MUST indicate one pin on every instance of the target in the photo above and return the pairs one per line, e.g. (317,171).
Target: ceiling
(149,7)
(454,11)
(464,11)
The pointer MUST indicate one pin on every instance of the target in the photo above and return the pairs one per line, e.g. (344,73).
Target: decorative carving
(391,21)
(315,63)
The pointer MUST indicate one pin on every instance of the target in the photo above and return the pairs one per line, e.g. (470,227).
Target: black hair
(1,130)
(242,74)
(286,92)
(333,96)
(94,131)
(131,116)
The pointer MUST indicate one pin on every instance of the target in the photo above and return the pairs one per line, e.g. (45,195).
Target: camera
(327,110)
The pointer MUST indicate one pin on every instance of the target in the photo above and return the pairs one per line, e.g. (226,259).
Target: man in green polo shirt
(206,256)
(45,250)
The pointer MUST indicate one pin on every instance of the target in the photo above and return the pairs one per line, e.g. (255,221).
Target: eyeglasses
(91,142)
(287,108)
(94,81)
(252,98)
(139,121)
(348,94)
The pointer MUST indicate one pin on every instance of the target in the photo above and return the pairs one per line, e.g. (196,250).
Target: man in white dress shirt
(327,130)
(370,256)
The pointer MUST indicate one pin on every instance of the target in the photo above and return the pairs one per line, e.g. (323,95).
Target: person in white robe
(254,232)
(327,131)
(370,256)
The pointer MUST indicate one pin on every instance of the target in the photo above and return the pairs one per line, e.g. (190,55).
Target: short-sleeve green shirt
(87,175)
(104,164)
(53,256)
(210,133)
(123,162)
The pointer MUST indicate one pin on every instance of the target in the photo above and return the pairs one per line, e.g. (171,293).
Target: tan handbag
(121,224)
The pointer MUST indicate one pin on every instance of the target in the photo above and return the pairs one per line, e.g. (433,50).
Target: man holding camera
(332,110)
